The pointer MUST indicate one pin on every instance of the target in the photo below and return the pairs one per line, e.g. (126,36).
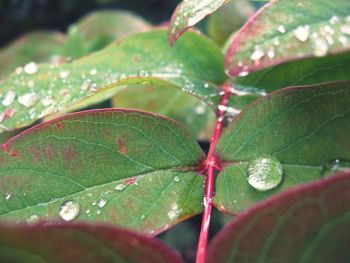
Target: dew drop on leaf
(32,219)
(69,210)
(143,217)
(31,68)
(302,33)
(176,179)
(336,165)
(102,203)
(8,196)
(265,173)
(120,187)
(9,98)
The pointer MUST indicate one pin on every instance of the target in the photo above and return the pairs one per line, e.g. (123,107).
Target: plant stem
(212,164)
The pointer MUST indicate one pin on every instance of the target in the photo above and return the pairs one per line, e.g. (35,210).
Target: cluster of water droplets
(315,39)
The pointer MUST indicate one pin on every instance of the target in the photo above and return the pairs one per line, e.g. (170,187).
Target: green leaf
(229,18)
(305,128)
(285,30)
(188,14)
(309,223)
(40,46)
(94,31)
(124,167)
(195,65)
(296,73)
(194,114)
(79,243)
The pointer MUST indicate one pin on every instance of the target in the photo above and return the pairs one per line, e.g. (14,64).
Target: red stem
(211,165)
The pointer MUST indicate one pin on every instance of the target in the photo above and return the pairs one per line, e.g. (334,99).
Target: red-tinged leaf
(285,30)
(125,167)
(291,136)
(83,243)
(309,223)
(188,14)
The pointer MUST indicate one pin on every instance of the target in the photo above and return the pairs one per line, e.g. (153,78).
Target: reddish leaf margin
(68,243)
(254,230)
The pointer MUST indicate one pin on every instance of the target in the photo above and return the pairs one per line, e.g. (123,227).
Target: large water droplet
(320,47)
(28,99)
(102,203)
(265,173)
(69,210)
(176,179)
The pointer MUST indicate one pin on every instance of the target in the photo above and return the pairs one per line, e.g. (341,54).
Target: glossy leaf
(195,65)
(188,13)
(194,114)
(296,73)
(70,243)
(228,19)
(308,223)
(37,46)
(124,167)
(285,30)
(97,29)
(305,128)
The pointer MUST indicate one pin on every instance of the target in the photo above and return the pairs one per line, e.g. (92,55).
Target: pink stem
(211,165)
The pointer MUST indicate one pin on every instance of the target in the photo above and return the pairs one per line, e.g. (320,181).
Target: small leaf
(95,30)
(229,18)
(189,13)
(308,223)
(305,128)
(37,46)
(195,65)
(124,167)
(285,30)
(69,243)
(296,73)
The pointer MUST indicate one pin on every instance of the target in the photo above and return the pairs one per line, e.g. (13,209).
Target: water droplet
(120,187)
(64,74)
(281,29)
(28,99)
(69,210)
(32,219)
(9,98)
(93,72)
(320,47)
(243,73)
(47,101)
(177,179)
(336,165)
(257,54)
(265,173)
(271,53)
(8,196)
(31,68)
(333,20)
(302,33)
(200,109)
(206,85)
(102,203)
(98,212)
(143,217)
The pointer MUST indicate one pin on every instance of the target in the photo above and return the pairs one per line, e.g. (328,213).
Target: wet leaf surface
(195,66)
(70,243)
(305,128)
(286,30)
(308,223)
(124,167)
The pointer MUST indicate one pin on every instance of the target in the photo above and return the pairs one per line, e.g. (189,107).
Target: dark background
(20,16)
